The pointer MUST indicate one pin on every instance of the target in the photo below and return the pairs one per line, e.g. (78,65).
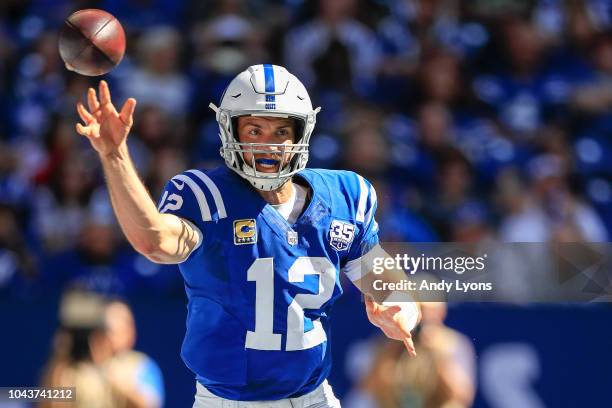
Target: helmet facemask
(244,97)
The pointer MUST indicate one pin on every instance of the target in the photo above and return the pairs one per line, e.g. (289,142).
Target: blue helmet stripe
(269,78)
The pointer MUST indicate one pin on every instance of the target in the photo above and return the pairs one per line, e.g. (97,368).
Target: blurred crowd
(442,375)
(475,120)
(93,351)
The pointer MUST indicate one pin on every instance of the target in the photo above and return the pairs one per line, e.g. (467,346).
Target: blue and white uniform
(260,289)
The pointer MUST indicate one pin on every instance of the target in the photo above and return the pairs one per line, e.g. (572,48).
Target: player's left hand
(392,321)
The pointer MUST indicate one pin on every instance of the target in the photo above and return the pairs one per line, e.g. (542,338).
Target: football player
(260,242)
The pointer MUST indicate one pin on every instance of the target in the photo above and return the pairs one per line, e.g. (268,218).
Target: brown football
(91,42)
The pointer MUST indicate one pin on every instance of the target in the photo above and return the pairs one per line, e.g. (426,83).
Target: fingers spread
(410,347)
(127,112)
(83,130)
(105,97)
(89,131)
(85,116)
(371,307)
(403,328)
(92,101)
(392,311)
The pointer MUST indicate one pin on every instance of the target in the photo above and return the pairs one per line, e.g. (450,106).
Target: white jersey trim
(363,198)
(214,190)
(369,214)
(162,201)
(199,195)
(354,270)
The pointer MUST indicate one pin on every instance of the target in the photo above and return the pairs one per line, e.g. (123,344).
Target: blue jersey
(260,289)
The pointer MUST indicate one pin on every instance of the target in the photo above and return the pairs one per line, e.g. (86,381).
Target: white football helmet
(265,90)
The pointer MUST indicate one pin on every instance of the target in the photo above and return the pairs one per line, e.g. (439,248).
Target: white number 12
(262,273)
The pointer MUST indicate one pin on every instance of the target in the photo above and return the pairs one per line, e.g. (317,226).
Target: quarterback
(260,242)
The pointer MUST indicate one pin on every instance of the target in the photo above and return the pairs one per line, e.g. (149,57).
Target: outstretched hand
(106,129)
(392,321)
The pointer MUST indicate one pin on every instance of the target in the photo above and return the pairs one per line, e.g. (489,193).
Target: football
(91,42)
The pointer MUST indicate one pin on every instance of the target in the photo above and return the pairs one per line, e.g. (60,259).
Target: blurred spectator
(61,208)
(435,126)
(95,263)
(60,144)
(595,96)
(415,26)
(455,189)
(80,348)
(92,351)
(522,90)
(397,221)
(101,262)
(169,162)
(135,374)
(440,79)
(38,87)
(8,61)
(158,81)
(548,211)
(416,144)
(366,151)
(226,42)
(375,365)
(471,224)
(442,375)
(14,189)
(444,372)
(334,27)
(578,20)
(18,265)
(154,129)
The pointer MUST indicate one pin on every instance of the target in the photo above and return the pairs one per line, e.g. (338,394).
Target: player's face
(258,129)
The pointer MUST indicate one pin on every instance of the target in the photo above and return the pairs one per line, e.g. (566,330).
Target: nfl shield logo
(341,235)
(292,238)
